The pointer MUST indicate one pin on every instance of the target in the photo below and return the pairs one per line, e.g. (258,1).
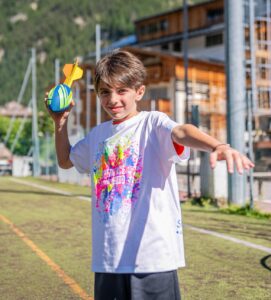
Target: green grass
(246,228)
(60,226)
(219,269)
(245,211)
(71,188)
(210,203)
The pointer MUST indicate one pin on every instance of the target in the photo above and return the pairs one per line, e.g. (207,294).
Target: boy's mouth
(116,108)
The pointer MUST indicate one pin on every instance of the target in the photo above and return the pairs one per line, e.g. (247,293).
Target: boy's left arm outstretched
(191,136)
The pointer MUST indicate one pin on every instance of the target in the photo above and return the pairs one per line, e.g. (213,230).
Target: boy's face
(120,102)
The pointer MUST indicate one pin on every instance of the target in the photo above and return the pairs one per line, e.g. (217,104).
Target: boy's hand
(59,117)
(232,157)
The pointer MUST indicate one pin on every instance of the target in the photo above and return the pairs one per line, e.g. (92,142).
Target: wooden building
(205,30)
(165,90)
(160,47)
(206,41)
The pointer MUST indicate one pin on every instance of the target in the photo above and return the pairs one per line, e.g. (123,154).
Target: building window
(215,15)
(157,93)
(143,30)
(153,28)
(213,40)
(177,46)
(263,73)
(165,46)
(163,25)
(264,97)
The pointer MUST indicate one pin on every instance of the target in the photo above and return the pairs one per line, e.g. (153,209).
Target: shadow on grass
(264,262)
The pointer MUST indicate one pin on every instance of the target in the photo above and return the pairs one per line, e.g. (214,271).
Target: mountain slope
(60,29)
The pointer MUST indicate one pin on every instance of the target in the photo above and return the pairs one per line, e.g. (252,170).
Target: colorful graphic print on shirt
(117,173)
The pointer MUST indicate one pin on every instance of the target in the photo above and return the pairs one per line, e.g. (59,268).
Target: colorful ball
(59,98)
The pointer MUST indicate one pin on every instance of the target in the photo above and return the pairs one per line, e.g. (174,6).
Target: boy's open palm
(191,136)
(232,157)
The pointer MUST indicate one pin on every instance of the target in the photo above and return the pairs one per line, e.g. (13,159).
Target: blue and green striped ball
(59,98)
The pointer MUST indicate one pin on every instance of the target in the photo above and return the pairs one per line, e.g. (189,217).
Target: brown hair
(120,68)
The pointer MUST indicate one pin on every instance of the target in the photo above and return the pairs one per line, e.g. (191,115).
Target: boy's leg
(110,286)
(155,286)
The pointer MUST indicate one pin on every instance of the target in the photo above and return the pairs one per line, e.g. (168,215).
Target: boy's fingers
(229,161)
(238,162)
(46,97)
(247,163)
(213,159)
(232,158)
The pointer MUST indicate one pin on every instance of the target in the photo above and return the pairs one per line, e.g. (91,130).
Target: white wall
(72,175)
(197,49)
(21,166)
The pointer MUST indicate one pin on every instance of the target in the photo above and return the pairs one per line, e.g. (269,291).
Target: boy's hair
(120,68)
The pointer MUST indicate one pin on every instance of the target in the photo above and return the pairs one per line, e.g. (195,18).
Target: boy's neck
(118,121)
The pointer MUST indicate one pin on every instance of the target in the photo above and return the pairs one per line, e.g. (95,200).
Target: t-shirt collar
(121,124)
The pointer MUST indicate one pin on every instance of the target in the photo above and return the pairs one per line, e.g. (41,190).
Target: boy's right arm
(62,145)
(62,142)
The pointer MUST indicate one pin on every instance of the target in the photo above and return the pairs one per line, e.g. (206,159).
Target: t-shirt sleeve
(80,155)
(174,152)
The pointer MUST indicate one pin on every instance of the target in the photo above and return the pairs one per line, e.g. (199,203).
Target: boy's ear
(140,92)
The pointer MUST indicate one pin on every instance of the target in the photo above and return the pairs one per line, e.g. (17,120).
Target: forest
(64,30)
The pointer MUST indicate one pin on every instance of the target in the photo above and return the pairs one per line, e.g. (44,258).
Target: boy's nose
(114,97)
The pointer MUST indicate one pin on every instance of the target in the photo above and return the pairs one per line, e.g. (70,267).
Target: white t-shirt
(136,217)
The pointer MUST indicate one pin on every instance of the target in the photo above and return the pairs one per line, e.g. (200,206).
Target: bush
(245,211)
(208,202)
(204,201)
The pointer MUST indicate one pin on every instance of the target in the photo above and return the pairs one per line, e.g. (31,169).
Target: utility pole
(249,98)
(153,104)
(98,56)
(35,136)
(47,142)
(57,63)
(268,33)
(77,109)
(185,60)
(236,105)
(57,80)
(252,54)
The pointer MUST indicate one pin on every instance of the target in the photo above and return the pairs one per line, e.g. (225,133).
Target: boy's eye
(104,93)
(122,91)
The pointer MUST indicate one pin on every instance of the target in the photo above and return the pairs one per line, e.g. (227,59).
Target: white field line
(229,238)
(49,189)
(205,231)
(264,201)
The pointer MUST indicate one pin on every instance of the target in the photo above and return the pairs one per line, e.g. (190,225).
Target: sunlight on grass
(61,227)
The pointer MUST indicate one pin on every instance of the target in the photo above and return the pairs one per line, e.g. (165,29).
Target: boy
(136,219)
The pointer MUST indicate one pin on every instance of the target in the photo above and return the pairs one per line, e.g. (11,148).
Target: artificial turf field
(45,247)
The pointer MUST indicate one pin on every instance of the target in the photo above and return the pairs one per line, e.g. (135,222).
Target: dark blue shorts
(148,286)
